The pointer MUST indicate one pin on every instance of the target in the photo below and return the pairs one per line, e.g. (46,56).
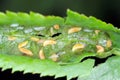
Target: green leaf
(81,20)
(35,19)
(51,68)
(45,67)
(109,70)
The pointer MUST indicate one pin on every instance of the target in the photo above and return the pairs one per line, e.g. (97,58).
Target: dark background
(106,10)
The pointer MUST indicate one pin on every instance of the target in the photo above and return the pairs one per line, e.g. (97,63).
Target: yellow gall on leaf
(74,29)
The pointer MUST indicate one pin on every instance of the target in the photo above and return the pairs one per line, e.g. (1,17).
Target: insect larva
(11,38)
(34,39)
(109,43)
(74,29)
(78,47)
(100,49)
(41,54)
(26,51)
(22,44)
(54,57)
(49,42)
(56,27)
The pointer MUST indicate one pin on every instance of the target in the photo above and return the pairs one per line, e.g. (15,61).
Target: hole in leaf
(97,60)
(57,34)
(40,35)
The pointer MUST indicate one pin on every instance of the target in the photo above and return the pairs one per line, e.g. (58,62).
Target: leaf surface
(50,68)
(109,70)
(45,67)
